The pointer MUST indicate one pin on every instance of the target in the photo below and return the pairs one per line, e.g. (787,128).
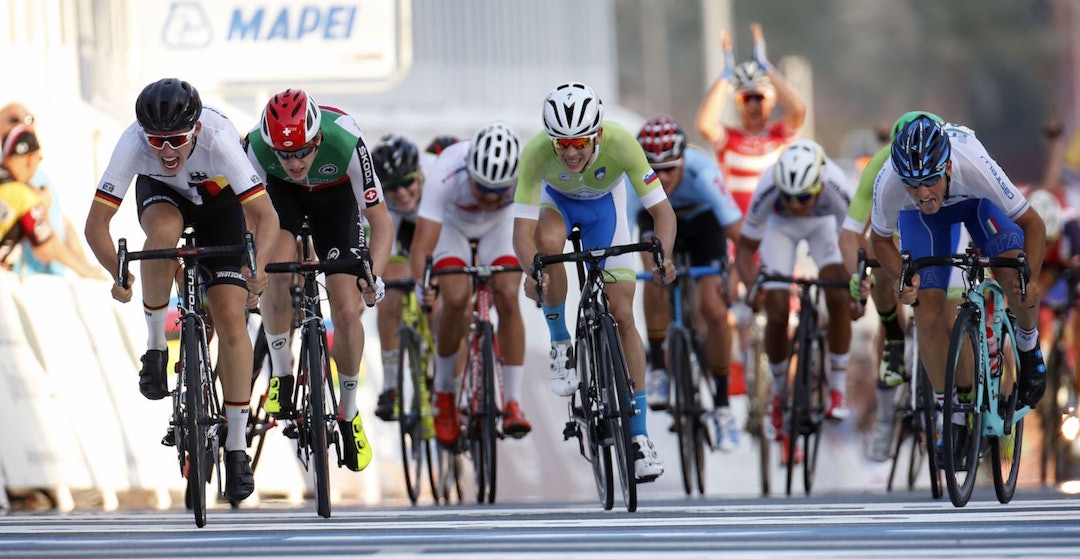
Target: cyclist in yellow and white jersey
(575,172)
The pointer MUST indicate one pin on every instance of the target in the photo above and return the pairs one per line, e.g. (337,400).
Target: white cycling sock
(444,372)
(155,326)
(1026,339)
(237,419)
(780,377)
(838,363)
(389,367)
(280,353)
(348,395)
(512,377)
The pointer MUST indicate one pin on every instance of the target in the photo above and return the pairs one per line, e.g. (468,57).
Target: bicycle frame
(195,401)
(482,394)
(600,411)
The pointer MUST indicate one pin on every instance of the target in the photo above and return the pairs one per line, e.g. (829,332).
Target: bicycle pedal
(170,438)
(291,432)
(571,430)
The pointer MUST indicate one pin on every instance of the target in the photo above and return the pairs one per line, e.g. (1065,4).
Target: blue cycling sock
(556,322)
(637,423)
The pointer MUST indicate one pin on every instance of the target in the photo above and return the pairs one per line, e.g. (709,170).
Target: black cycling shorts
(701,236)
(332,212)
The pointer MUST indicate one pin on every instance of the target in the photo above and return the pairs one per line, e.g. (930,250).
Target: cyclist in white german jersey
(189,169)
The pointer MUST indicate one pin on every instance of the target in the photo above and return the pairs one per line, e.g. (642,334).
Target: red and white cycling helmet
(290,120)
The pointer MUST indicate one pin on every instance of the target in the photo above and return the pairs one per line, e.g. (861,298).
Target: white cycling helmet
(798,170)
(748,76)
(572,110)
(1049,209)
(493,156)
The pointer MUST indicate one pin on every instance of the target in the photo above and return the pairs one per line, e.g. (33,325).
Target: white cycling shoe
(647,466)
(564,375)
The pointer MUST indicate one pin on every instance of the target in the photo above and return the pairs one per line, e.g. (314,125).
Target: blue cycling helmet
(921,151)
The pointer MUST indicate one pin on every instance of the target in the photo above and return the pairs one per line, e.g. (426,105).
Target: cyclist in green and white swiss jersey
(575,172)
(317,166)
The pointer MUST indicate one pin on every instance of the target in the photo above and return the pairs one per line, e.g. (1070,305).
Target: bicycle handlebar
(313,267)
(765,275)
(863,265)
(594,256)
(124,257)
(972,262)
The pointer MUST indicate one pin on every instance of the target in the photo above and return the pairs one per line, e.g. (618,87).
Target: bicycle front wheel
(962,418)
(1005,450)
(678,353)
(816,412)
(410,421)
(620,402)
(902,430)
(195,422)
(758,375)
(317,374)
(487,459)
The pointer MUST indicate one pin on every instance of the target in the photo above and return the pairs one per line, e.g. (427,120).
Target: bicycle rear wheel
(1005,450)
(678,353)
(962,421)
(902,421)
(620,402)
(194,422)
(589,395)
(925,426)
(317,374)
(413,445)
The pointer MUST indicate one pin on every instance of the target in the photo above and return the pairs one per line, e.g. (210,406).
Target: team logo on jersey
(990,166)
(371,196)
(333,254)
(564,177)
(649,177)
(600,173)
(108,187)
(328,169)
(255,179)
(197,177)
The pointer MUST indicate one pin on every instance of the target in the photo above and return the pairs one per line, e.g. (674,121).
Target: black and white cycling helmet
(572,110)
(748,76)
(798,170)
(493,156)
(1049,209)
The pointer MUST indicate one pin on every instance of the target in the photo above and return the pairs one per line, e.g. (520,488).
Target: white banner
(243,45)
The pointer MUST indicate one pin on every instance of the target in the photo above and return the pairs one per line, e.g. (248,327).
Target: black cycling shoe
(239,479)
(384,409)
(1032,376)
(152,382)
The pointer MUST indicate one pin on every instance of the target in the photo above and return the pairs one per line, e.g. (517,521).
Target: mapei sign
(271,43)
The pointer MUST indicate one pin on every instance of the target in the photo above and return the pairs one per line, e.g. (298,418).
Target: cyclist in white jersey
(190,169)
(575,172)
(469,199)
(940,175)
(803,196)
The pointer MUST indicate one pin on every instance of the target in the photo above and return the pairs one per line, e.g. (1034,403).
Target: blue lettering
(241,29)
(309,21)
(339,22)
(280,28)
(333,23)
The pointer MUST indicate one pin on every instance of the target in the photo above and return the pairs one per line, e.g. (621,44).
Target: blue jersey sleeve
(706,185)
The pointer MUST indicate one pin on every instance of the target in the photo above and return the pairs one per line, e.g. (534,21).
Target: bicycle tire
(1054,453)
(757,365)
(961,441)
(799,400)
(678,348)
(699,384)
(918,439)
(927,425)
(620,405)
(1005,451)
(259,421)
(316,419)
(194,422)
(589,394)
(489,416)
(902,419)
(816,412)
(409,420)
